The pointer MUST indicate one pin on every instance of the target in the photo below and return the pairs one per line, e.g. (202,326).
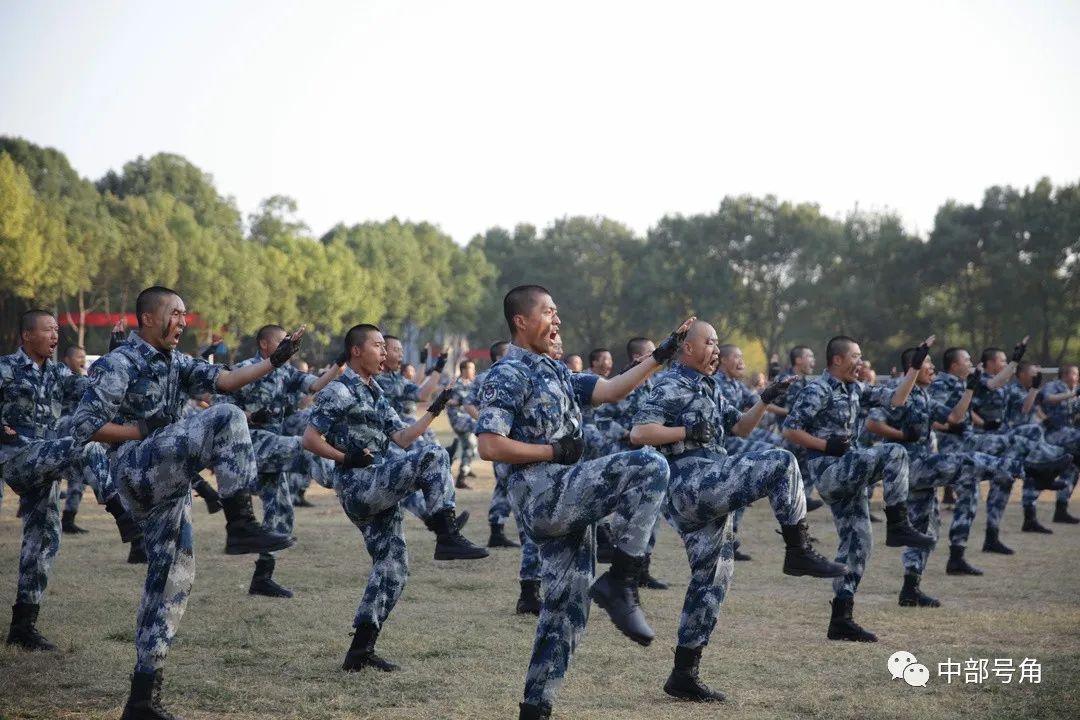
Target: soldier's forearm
(1003,377)
(497,448)
(114,433)
(614,389)
(804,439)
(656,434)
(749,420)
(884,430)
(232,380)
(473,411)
(326,378)
(316,443)
(904,390)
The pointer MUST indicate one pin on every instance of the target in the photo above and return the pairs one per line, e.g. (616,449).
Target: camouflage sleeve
(662,405)
(942,393)
(298,382)
(412,392)
(392,422)
(101,400)
(501,399)
(197,377)
(875,395)
(939,411)
(808,404)
(330,405)
(729,415)
(584,384)
(72,386)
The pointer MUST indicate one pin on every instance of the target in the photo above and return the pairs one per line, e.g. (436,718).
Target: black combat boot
(992,544)
(137,553)
(912,596)
(23,632)
(534,712)
(957,565)
(67,524)
(209,495)
(498,538)
(843,627)
(262,582)
(243,535)
(898,530)
(144,702)
(1044,475)
(604,547)
(362,652)
(684,683)
(1032,524)
(460,483)
(450,544)
(616,591)
(646,580)
(800,558)
(813,504)
(738,555)
(1061,513)
(125,523)
(529,601)
(301,500)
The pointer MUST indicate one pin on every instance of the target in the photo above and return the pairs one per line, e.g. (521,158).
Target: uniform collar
(353,379)
(835,381)
(516,352)
(24,359)
(146,349)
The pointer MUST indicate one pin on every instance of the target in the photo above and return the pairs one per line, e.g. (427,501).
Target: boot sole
(692,697)
(600,600)
(502,545)
(972,572)
(249,548)
(920,544)
(799,572)
(851,639)
(462,556)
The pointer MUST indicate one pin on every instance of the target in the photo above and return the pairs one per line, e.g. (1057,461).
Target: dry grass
(465,652)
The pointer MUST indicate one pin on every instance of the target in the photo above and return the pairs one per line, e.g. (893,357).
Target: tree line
(768,272)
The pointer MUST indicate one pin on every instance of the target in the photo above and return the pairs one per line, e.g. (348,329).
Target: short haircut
(1023,365)
(265,330)
(950,356)
(497,350)
(358,335)
(595,354)
(72,349)
(567,358)
(989,353)
(906,357)
(150,298)
(520,301)
(1064,369)
(461,365)
(28,320)
(388,338)
(727,349)
(838,346)
(797,352)
(636,346)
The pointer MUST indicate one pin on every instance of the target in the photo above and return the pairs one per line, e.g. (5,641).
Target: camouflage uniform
(461,422)
(707,485)
(31,399)
(403,395)
(827,407)
(354,415)
(534,399)
(136,382)
(1061,430)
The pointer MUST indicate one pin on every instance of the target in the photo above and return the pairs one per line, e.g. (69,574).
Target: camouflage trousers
(737,446)
(705,489)
(557,507)
(154,477)
(467,445)
(371,498)
(1067,437)
(497,514)
(499,509)
(1031,495)
(32,469)
(842,483)
(962,472)
(998,457)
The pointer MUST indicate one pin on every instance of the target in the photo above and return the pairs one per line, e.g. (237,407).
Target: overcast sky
(472,114)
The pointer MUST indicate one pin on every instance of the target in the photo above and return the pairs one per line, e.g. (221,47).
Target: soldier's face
(926,372)
(270,343)
(733,364)
(804,365)
(995,364)
(468,372)
(646,350)
(539,329)
(163,327)
(76,362)
(395,353)
(372,354)
(961,366)
(846,367)
(408,372)
(1071,376)
(575,364)
(700,349)
(603,365)
(42,340)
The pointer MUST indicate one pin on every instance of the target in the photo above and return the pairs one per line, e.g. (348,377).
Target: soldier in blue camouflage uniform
(823,422)
(596,444)
(688,418)
(35,452)
(530,417)
(1061,405)
(911,426)
(75,361)
(277,455)
(800,371)
(461,422)
(134,400)
(354,425)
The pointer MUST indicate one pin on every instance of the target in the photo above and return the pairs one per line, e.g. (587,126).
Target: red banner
(101,319)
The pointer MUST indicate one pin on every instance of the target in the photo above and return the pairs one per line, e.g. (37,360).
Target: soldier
(75,360)
(134,401)
(277,454)
(574,363)
(35,452)
(802,364)
(911,426)
(822,421)
(1059,401)
(461,422)
(687,418)
(354,425)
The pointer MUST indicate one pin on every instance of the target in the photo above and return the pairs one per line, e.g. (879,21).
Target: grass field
(464,651)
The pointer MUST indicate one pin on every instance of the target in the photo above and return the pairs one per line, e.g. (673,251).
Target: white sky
(471,114)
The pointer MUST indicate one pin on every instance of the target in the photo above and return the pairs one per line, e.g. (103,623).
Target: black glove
(568,450)
(775,391)
(837,445)
(285,350)
(1036,381)
(116,339)
(439,402)
(991,425)
(957,428)
(919,356)
(912,434)
(667,348)
(423,356)
(341,359)
(440,363)
(700,432)
(358,459)
(1018,351)
(149,426)
(262,416)
(974,379)
(8,438)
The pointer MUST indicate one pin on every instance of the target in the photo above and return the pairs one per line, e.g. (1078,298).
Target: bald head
(699,347)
